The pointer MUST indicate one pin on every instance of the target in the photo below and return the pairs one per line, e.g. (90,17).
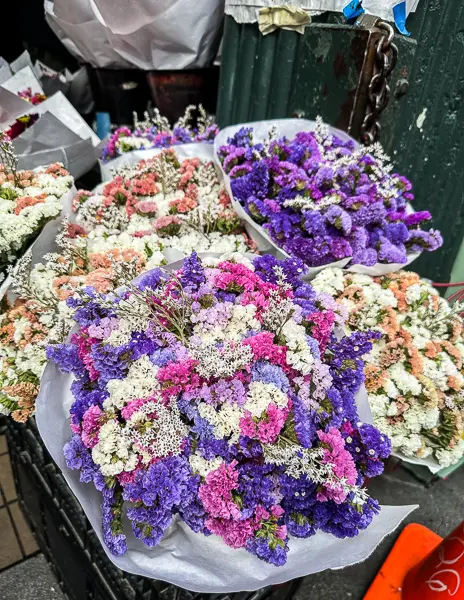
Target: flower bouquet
(414,374)
(178,204)
(37,313)
(28,200)
(217,401)
(126,146)
(317,197)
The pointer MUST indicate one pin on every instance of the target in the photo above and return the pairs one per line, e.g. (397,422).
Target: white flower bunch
(414,374)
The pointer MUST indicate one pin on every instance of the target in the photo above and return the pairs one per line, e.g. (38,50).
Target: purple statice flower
(314,223)
(242,138)
(256,487)
(368,215)
(255,183)
(303,422)
(389,253)
(111,362)
(163,356)
(424,240)
(397,233)
(318,248)
(282,226)
(268,373)
(151,280)
(66,357)
(193,275)
(339,218)
(88,311)
(166,485)
(86,393)
(368,447)
(344,520)
(113,529)
(292,268)
(340,248)
(417,218)
(271,552)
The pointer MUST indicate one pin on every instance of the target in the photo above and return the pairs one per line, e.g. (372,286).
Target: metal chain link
(378,94)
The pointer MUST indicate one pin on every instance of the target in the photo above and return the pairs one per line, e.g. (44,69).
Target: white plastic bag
(166,34)
(289,128)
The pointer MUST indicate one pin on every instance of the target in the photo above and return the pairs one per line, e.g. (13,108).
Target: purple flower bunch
(322,200)
(156,132)
(222,394)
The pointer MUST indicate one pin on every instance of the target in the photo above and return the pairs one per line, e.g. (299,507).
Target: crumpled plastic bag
(166,34)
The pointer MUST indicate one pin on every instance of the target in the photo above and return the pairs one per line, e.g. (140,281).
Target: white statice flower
(113,453)
(241,319)
(299,353)
(225,363)
(127,143)
(450,456)
(140,382)
(405,381)
(201,466)
(260,395)
(32,358)
(379,404)
(330,281)
(156,430)
(225,420)
(419,417)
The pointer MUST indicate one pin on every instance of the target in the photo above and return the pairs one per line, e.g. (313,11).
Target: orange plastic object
(412,546)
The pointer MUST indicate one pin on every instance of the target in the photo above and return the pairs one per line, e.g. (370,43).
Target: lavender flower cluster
(322,200)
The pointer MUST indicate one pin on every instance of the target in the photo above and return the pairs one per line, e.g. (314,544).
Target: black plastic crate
(69,543)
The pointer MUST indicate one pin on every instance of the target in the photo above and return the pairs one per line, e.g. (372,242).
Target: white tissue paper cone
(289,128)
(191,560)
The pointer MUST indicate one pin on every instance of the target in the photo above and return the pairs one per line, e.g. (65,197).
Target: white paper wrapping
(22,80)
(199,150)
(166,34)
(432,465)
(246,11)
(289,128)
(191,560)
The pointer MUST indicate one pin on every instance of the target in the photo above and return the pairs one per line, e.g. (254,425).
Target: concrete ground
(25,575)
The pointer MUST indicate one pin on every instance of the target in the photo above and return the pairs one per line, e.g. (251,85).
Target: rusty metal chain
(378,94)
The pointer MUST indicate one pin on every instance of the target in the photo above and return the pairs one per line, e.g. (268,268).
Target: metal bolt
(402,88)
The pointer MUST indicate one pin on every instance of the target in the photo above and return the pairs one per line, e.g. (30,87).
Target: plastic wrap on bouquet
(188,559)
(289,128)
(163,35)
(199,150)
(246,11)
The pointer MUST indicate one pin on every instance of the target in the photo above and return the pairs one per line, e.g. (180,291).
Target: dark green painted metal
(319,72)
(433,155)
